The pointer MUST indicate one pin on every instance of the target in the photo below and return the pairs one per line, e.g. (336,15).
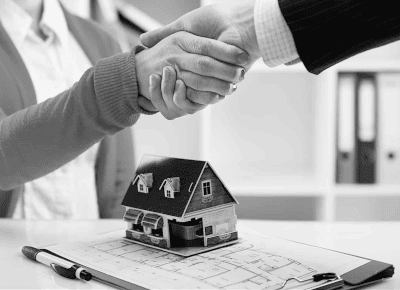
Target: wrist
(116,90)
(143,73)
(243,17)
(273,34)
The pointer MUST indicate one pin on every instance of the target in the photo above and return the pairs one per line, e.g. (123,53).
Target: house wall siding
(219,194)
(220,217)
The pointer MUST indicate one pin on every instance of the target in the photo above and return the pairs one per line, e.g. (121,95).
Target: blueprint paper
(255,262)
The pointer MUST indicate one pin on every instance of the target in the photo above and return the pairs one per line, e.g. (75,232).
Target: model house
(178,203)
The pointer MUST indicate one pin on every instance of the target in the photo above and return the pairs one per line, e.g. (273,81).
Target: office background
(273,142)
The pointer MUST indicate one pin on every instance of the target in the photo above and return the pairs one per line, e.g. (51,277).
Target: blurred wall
(166,11)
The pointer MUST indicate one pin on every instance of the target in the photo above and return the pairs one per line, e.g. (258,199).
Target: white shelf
(366,190)
(284,190)
(349,65)
(352,65)
(299,189)
(275,184)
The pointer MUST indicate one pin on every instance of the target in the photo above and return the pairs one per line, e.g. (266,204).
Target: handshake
(196,60)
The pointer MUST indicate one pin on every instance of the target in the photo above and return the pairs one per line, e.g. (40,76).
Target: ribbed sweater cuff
(116,89)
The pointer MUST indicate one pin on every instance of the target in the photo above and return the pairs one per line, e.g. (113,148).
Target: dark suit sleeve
(329,31)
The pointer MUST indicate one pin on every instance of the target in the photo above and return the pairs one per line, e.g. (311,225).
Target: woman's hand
(168,95)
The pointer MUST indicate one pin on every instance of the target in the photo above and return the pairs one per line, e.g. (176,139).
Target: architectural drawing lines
(238,266)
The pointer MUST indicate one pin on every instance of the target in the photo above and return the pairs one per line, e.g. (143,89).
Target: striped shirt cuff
(273,34)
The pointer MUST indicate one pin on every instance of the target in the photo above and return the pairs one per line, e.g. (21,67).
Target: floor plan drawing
(249,264)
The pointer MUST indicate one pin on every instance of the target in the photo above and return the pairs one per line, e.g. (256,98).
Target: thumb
(153,37)
(180,87)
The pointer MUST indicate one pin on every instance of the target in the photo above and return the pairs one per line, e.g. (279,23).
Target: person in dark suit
(320,33)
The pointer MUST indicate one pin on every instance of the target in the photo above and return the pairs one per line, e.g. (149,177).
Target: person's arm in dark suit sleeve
(320,33)
(327,32)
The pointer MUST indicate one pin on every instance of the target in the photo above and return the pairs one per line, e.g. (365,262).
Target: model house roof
(165,169)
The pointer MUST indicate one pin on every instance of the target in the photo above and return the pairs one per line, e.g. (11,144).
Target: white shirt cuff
(273,34)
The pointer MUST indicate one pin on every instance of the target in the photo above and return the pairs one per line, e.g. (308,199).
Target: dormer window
(142,187)
(171,186)
(206,185)
(144,182)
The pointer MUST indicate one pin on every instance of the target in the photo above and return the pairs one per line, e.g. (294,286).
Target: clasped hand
(183,73)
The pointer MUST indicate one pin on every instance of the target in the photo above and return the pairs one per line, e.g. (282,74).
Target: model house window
(207,188)
(208,230)
(168,193)
(137,228)
(141,187)
(157,232)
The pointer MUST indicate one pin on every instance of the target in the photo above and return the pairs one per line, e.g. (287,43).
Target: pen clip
(67,273)
(324,276)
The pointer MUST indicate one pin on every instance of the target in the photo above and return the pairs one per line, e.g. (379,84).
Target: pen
(59,265)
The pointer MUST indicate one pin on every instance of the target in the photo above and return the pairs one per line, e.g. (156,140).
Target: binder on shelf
(366,127)
(388,147)
(345,155)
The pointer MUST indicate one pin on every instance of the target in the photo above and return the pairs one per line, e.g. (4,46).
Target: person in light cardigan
(68,97)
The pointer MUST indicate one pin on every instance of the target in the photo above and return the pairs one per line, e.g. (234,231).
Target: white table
(378,240)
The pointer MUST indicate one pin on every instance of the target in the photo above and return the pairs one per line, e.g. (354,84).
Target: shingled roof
(162,168)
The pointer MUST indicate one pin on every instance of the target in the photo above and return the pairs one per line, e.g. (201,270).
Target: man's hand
(195,61)
(229,23)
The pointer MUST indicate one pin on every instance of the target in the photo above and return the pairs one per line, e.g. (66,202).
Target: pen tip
(30,252)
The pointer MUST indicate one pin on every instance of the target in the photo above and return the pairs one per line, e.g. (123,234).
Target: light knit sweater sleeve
(43,137)
(273,34)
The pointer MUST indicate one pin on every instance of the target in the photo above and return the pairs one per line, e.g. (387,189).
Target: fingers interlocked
(168,95)
(195,73)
